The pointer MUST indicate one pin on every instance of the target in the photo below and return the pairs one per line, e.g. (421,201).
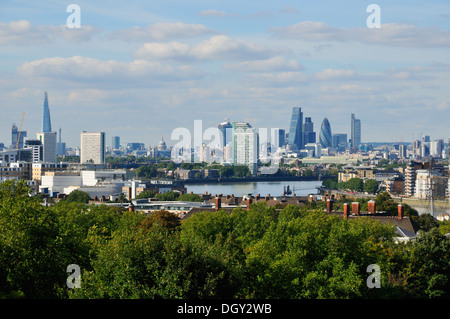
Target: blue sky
(141,69)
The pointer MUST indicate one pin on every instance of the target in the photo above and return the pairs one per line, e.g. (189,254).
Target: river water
(300,188)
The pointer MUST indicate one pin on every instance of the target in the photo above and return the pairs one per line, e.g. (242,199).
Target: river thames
(300,188)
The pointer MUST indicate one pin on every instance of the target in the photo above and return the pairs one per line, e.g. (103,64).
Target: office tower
(115,142)
(48,140)
(295,138)
(281,137)
(355,132)
(46,123)
(37,152)
(309,135)
(340,141)
(92,147)
(245,146)
(325,138)
(17,135)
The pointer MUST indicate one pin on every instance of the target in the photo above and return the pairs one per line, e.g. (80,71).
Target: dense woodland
(294,252)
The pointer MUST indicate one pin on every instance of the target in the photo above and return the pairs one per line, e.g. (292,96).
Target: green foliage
(371,186)
(145,194)
(263,252)
(190,198)
(78,196)
(146,171)
(168,196)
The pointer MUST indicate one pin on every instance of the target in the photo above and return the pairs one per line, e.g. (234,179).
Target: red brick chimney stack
(401,211)
(371,207)
(329,206)
(218,203)
(355,208)
(249,202)
(346,210)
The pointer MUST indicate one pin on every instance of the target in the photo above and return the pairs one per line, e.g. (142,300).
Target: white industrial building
(95,183)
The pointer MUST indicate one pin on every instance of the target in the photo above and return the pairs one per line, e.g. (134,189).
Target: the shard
(46,124)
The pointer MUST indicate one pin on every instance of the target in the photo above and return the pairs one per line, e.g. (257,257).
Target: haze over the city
(139,70)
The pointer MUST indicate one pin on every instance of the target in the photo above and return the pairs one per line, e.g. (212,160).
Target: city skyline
(139,71)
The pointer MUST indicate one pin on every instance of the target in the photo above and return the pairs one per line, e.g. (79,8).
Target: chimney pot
(355,208)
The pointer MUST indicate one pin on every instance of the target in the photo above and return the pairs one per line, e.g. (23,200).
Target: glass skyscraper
(46,123)
(356,131)
(325,137)
(295,138)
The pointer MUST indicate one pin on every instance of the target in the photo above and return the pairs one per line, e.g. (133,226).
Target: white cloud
(162,31)
(22,32)
(212,13)
(276,64)
(78,68)
(393,34)
(217,47)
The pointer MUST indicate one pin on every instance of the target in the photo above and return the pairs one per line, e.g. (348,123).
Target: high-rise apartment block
(245,146)
(92,147)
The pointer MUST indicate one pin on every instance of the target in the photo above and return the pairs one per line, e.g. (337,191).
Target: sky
(141,69)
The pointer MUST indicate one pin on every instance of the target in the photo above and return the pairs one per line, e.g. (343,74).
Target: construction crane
(20,131)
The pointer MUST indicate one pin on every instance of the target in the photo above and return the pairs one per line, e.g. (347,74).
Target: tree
(78,196)
(162,218)
(355,184)
(146,171)
(190,198)
(371,186)
(168,196)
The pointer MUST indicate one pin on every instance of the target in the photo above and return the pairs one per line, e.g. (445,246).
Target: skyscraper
(61,146)
(309,135)
(48,140)
(295,139)
(245,146)
(17,135)
(92,147)
(115,142)
(340,141)
(325,137)
(355,132)
(46,122)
